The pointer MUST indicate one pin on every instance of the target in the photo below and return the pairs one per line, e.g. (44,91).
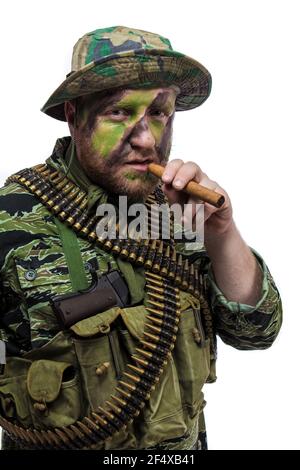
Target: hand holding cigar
(193,188)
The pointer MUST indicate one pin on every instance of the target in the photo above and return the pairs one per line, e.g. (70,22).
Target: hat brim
(139,68)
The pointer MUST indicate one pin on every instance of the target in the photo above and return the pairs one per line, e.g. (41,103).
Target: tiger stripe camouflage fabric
(33,267)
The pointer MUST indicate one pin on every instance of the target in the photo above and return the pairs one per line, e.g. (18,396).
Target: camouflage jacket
(34,266)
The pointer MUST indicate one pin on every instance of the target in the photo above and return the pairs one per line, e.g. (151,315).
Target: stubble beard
(113,175)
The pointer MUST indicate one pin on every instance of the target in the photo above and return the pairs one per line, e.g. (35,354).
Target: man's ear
(69,108)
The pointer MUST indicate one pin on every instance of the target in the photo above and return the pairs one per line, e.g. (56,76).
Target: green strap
(73,256)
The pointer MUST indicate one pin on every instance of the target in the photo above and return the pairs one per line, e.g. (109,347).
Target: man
(82,372)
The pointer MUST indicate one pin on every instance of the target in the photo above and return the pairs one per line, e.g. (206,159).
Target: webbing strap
(73,256)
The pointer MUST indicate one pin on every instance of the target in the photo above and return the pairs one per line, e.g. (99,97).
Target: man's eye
(117,113)
(158,113)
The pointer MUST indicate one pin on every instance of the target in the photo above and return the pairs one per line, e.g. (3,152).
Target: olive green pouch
(13,394)
(54,391)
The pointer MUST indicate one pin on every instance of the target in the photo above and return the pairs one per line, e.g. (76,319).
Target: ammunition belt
(165,273)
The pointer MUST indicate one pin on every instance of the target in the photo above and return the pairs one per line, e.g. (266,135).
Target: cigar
(193,188)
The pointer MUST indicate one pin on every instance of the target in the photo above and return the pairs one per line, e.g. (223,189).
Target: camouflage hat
(119,56)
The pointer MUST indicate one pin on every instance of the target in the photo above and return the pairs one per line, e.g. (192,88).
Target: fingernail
(178,183)
(166,176)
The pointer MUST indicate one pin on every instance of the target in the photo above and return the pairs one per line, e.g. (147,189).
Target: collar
(64,158)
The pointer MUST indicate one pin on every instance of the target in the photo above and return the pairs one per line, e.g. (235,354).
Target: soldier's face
(119,133)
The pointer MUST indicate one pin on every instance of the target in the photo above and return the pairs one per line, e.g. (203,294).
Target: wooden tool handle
(193,188)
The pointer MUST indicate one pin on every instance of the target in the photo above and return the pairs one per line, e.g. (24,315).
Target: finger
(187,172)
(209,210)
(171,169)
(173,195)
(191,207)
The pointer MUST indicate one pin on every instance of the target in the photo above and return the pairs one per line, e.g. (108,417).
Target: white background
(245,137)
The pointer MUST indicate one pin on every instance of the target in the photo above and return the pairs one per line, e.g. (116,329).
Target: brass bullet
(92,236)
(165,262)
(62,435)
(99,419)
(151,346)
(158,321)
(162,332)
(107,245)
(32,437)
(178,270)
(172,266)
(119,400)
(154,368)
(134,378)
(40,167)
(144,353)
(158,339)
(53,437)
(123,392)
(155,311)
(149,375)
(124,253)
(115,408)
(127,385)
(154,281)
(136,369)
(140,380)
(77,226)
(157,296)
(150,255)
(166,291)
(117,247)
(76,431)
(90,423)
(62,215)
(107,413)
(156,288)
(153,356)
(156,304)
(44,436)
(143,252)
(155,276)
(85,429)
(134,250)
(39,437)
(55,176)
(143,362)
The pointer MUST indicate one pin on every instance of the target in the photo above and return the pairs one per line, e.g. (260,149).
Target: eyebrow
(109,98)
(161,99)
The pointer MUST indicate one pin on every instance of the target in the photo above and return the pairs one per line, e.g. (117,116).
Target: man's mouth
(139,164)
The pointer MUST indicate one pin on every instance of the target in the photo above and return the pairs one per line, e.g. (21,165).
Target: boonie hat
(119,56)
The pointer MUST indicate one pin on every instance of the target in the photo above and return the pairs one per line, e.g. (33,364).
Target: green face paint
(132,176)
(114,123)
(157,128)
(106,137)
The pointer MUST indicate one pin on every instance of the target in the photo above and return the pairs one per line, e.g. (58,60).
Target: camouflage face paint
(145,177)
(120,126)
(106,137)
(118,117)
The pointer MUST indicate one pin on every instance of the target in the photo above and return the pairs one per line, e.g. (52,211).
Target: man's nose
(142,136)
